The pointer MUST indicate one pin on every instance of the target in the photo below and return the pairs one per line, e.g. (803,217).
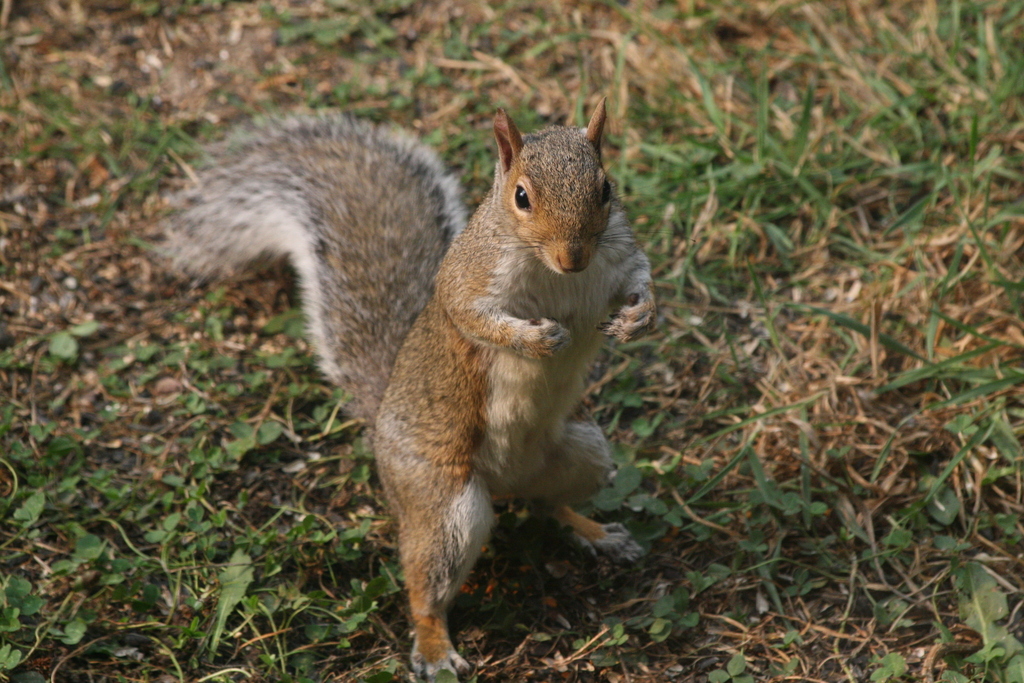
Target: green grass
(821,446)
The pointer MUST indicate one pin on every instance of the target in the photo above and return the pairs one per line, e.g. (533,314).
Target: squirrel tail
(363,213)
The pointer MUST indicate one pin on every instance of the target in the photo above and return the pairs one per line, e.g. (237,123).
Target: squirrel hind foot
(617,544)
(612,540)
(427,671)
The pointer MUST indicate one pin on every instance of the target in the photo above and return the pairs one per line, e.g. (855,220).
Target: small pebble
(165,386)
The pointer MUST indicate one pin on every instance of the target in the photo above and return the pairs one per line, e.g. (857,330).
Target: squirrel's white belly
(527,404)
(529,400)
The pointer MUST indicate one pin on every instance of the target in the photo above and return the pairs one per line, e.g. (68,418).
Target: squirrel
(466,346)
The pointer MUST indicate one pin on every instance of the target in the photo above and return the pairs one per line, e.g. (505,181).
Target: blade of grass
(714,481)
(768,492)
(754,418)
(802,136)
(982,390)
(769,319)
(973,332)
(883,455)
(912,215)
(761,130)
(978,437)
(934,371)
(234,581)
(849,323)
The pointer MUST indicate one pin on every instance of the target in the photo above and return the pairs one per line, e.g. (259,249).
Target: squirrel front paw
(633,320)
(540,337)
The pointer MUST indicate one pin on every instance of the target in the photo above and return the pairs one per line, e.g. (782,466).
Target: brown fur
(584,526)
(437,450)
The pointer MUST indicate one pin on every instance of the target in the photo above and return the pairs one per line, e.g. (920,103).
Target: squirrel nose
(569,264)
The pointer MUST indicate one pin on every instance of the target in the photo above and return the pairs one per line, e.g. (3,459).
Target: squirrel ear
(509,139)
(596,126)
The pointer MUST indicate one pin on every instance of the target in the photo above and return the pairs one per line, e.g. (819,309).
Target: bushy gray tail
(363,213)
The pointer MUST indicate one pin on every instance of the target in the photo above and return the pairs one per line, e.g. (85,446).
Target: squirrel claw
(427,671)
(617,543)
(541,338)
(632,320)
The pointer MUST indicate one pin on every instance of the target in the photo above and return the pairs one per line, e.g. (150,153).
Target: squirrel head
(552,186)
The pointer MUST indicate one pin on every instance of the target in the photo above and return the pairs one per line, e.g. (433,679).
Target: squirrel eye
(522,200)
(606,192)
